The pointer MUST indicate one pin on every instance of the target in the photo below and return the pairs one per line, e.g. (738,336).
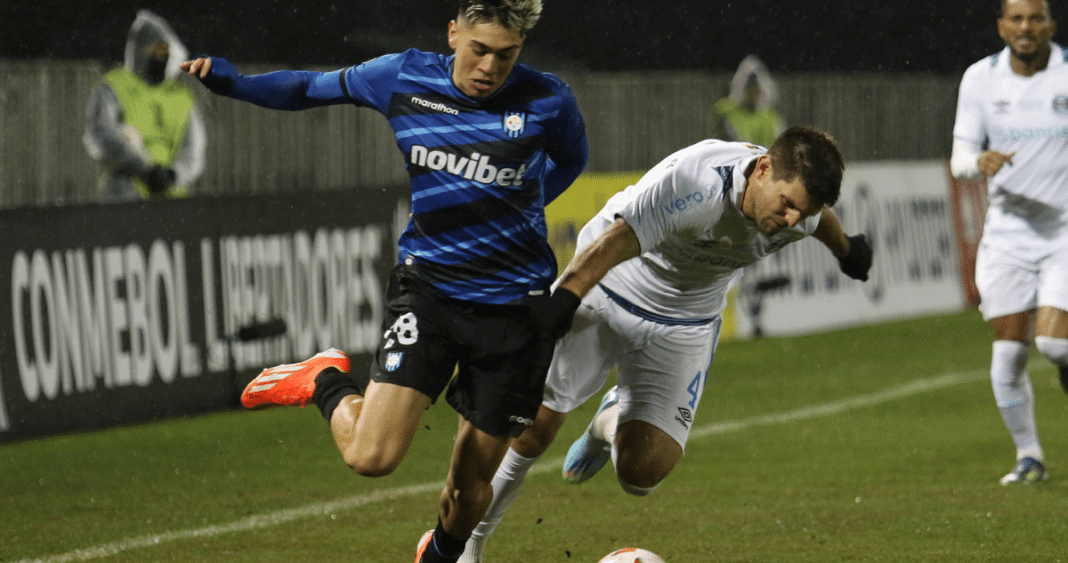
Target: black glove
(554,315)
(159,179)
(857,262)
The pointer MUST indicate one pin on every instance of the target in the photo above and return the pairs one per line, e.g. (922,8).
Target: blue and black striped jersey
(481,170)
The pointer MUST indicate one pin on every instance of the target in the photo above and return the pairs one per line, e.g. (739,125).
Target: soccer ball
(631,555)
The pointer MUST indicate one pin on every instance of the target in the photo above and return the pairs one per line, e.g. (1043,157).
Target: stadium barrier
(133,312)
(910,215)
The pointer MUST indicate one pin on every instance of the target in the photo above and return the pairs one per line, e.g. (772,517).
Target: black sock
(443,548)
(331,385)
(1064,377)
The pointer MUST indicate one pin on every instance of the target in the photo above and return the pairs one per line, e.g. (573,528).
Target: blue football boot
(1028,470)
(588,454)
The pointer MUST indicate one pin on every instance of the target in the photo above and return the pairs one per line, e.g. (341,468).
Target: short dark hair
(813,155)
(517,15)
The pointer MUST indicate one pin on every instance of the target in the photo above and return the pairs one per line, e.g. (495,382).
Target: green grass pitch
(877,443)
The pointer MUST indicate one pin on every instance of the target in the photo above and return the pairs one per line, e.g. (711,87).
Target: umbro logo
(685,417)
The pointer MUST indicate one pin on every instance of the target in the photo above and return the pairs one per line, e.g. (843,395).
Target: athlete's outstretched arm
(616,244)
(285,89)
(830,233)
(854,253)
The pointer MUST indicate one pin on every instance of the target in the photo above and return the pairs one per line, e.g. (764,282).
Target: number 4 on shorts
(695,387)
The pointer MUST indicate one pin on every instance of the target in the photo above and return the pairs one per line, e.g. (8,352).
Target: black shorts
(499,356)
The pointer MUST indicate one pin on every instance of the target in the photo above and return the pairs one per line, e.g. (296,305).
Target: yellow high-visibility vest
(160,113)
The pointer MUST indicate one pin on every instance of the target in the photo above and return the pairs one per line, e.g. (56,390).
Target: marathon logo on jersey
(434,106)
(1060,104)
(476,167)
(514,123)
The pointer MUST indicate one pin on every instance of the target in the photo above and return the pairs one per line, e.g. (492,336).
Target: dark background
(942,36)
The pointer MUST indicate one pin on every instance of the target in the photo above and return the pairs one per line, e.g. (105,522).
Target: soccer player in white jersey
(653,268)
(1012,127)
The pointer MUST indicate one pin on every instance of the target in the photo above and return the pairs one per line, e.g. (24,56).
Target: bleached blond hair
(518,15)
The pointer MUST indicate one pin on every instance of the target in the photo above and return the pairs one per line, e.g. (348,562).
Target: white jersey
(1027,117)
(692,234)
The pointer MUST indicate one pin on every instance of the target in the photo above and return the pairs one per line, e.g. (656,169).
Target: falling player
(653,268)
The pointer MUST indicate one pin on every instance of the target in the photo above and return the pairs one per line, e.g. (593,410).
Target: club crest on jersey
(515,122)
(393,360)
(1060,104)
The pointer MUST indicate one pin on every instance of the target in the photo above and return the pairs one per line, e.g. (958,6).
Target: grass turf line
(899,481)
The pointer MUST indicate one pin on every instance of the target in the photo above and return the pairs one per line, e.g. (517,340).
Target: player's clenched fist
(992,161)
(857,262)
(556,313)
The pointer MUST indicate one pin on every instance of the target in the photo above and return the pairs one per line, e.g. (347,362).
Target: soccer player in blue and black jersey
(488,143)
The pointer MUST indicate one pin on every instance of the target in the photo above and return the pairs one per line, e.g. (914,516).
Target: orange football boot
(291,384)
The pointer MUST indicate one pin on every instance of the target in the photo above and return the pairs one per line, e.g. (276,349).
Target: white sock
(1014,395)
(604,424)
(506,483)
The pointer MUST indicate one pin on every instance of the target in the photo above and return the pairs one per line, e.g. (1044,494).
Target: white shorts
(1011,282)
(662,368)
